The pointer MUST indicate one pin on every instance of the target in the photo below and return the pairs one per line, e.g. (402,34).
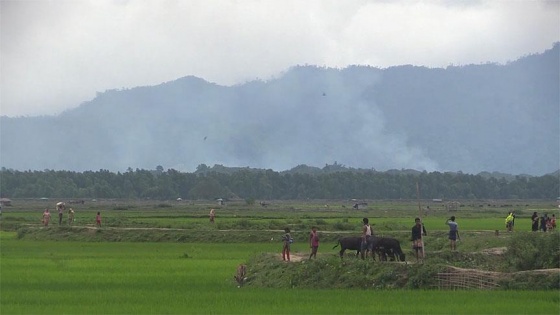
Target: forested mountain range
(471,119)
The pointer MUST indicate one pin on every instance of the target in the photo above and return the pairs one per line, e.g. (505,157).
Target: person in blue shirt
(453,232)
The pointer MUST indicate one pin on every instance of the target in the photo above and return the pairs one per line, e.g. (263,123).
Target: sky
(55,55)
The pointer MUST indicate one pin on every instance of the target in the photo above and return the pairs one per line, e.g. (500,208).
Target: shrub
(320,222)
(531,281)
(423,276)
(343,226)
(243,224)
(276,225)
(531,250)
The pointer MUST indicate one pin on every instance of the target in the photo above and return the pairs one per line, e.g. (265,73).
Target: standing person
(46,217)
(509,222)
(286,241)
(453,232)
(417,231)
(553,222)
(367,244)
(70,216)
(535,222)
(548,224)
(212,215)
(60,213)
(313,242)
(544,218)
(98,219)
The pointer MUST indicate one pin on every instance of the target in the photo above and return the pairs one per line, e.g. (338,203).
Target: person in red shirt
(98,219)
(313,242)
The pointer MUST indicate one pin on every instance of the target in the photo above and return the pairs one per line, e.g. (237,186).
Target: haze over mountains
(474,118)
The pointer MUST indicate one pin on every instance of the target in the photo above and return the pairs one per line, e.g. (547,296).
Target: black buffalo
(387,246)
(351,243)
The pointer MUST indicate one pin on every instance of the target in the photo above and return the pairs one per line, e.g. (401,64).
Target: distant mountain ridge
(475,118)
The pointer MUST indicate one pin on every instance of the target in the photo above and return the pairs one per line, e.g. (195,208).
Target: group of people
(287,240)
(418,230)
(544,223)
(47,215)
(71,216)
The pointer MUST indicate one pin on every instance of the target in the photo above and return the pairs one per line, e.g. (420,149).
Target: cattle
(384,246)
(350,243)
(241,274)
(387,246)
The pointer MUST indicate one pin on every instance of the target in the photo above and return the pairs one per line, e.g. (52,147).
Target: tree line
(270,185)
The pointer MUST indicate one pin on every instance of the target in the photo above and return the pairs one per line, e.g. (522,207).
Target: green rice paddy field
(56,276)
(49,277)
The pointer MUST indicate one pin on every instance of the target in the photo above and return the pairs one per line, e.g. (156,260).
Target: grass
(153,278)
(190,270)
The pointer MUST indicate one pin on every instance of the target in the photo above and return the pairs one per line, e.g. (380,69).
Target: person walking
(60,214)
(70,216)
(98,219)
(453,232)
(509,222)
(46,217)
(313,242)
(212,215)
(286,241)
(417,244)
(367,244)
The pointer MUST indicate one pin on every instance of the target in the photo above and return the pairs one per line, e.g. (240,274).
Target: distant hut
(452,206)
(360,205)
(5,202)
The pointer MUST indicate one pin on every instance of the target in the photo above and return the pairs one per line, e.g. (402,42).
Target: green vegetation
(152,259)
(42,277)
(251,185)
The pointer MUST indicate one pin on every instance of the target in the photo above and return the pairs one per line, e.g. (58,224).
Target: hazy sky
(57,54)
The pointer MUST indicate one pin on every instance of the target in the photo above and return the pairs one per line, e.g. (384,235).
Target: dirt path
(92,226)
(297,257)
